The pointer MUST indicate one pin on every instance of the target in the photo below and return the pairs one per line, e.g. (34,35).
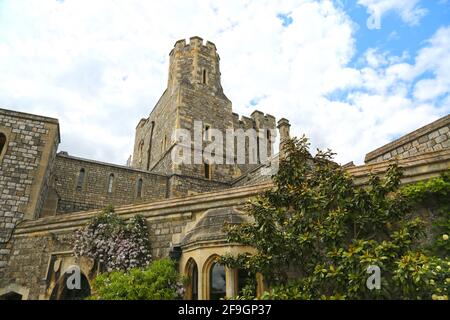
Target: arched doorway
(11,296)
(192,273)
(61,290)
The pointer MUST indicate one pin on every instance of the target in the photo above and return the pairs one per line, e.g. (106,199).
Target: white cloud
(101,66)
(408,10)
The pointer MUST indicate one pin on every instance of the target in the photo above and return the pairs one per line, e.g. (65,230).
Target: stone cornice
(429,163)
(175,208)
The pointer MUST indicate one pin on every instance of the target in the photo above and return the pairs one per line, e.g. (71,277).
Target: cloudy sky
(351,75)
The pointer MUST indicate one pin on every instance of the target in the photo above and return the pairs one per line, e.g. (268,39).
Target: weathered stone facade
(26,161)
(194,93)
(97,190)
(432,137)
(45,196)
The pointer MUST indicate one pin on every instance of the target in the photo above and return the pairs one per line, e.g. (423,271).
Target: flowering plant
(113,243)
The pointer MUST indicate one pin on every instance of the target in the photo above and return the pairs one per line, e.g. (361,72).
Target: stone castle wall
(25,166)
(153,134)
(184,185)
(194,93)
(432,137)
(37,241)
(94,192)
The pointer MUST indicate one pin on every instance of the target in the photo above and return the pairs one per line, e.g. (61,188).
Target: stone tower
(194,95)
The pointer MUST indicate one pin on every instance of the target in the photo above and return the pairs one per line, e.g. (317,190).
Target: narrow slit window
(204,76)
(140,151)
(207,132)
(80,181)
(110,183)
(164,144)
(139,188)
(207,171)
(2,142)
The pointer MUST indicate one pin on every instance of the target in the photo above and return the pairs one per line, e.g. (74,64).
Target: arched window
(140,150)
(110,183)
(217,281)
(139,188)
(206,132)
(192,272)
(80,180)
(2,142)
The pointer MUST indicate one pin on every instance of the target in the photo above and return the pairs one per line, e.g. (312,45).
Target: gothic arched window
(217,281)
(139,188)
(192,272)
(141,150)
(80,181)
(110,182)
(2,142)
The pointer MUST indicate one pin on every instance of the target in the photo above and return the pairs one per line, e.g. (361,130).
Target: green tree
(159,281)
(316,233)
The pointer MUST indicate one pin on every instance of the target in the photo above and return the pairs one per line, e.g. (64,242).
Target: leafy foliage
(114,244)
(159,281)
(434,194)
(316,233)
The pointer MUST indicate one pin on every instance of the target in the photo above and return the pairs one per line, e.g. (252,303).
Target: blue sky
(396,36)
(351,75)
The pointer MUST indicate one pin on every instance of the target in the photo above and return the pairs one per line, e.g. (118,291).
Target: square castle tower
(194,94)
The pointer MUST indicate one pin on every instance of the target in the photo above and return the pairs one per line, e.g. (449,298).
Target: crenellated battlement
(257,120)
(195,63)
(194,43)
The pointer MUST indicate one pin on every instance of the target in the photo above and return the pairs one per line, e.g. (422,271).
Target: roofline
(31,116)
(408,138)
(118,166)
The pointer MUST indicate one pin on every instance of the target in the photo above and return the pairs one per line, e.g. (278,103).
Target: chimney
(283,128)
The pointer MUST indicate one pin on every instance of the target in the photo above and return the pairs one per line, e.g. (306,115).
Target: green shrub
(317,233)
(159,281)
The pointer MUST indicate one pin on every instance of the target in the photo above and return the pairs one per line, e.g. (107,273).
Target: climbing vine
(113,243)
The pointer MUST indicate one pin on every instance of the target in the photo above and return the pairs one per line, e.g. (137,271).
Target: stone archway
(62,291)
(14,292)
(11,296)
